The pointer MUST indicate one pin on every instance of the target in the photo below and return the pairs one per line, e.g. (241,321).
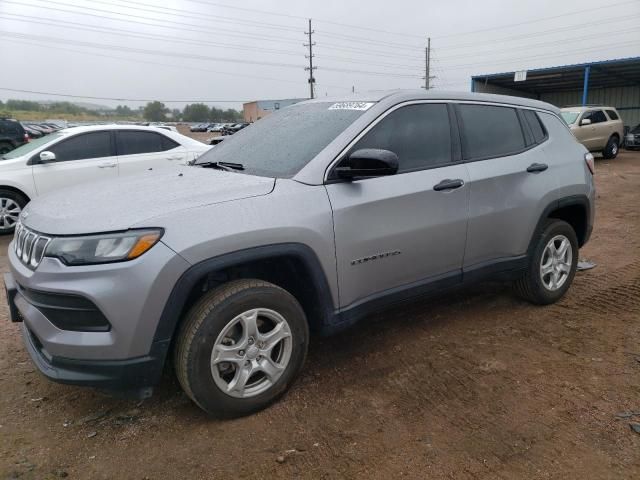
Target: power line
(545,55)
(193,28)
(146,51)
(542,32)
(185,55)
(534,45)
(89,97)
(181,67)
(191,14)
(527,22)
(151,36)
(198,28)
(368,41)
(497,27)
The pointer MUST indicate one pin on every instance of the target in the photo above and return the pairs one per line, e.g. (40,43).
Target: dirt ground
(477,384)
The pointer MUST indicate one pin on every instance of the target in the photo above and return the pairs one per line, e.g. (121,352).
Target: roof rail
(586,105)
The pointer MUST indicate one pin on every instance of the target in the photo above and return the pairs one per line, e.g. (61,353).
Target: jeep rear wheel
(241,347)
(612,148)
(552,265)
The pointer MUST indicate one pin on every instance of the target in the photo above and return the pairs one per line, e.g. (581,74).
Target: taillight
(588,157)
(26,137)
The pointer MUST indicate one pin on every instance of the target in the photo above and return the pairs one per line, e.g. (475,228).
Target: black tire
(612,148)
(5,148)
(7,225)
(205,322)
(531,286)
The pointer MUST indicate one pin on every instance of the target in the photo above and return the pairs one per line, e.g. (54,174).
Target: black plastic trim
(131,377)
(69,312)
(503,268)
(580,200)
(349,315)
(184,286)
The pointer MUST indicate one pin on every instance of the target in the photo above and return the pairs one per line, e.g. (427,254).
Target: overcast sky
(239,50)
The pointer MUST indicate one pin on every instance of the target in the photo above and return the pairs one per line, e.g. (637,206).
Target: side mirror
(47,157)
(368,162)
(585,121)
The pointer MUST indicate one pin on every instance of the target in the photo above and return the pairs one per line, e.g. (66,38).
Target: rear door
(396,232)
(510,181)
(83,158)
(140,150)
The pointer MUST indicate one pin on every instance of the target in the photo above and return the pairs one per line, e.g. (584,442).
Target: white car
(82,154)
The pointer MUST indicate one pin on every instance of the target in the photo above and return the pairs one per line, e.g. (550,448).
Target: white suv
(81,154)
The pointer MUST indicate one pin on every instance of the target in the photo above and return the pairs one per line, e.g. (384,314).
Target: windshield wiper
(221,165)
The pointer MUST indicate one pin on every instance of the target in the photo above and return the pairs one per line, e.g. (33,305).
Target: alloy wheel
(9,213)
(251,353)
(555,265)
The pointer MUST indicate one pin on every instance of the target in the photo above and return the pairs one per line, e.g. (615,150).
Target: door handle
(107,165)
(537,167)
(448,184)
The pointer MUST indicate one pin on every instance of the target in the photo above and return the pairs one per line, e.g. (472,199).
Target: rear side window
(612,115)
(596,116)
(134,142)
(490,131)
(83,146)
(9,127)
(419,134)
(535,125)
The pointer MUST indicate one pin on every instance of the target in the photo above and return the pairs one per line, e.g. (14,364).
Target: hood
(122,203)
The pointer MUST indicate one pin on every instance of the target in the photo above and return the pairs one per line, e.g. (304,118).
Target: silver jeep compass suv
(307,220)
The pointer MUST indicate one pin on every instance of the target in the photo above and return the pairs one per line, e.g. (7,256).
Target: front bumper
(130,295)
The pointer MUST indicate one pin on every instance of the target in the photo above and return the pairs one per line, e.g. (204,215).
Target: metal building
(257,109)
(610,82)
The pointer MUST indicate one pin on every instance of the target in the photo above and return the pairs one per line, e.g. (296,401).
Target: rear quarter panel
(567,156)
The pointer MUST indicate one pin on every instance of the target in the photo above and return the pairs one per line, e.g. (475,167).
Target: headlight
(104,248)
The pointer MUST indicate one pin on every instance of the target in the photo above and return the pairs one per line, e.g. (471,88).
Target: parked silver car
(311,219)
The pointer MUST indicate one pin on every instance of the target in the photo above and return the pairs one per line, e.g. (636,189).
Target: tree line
(153,111)
(195,112)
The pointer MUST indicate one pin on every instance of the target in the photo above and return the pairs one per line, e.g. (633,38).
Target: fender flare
(176,301)
(579,200)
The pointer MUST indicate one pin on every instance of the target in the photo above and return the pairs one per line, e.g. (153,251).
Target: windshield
(570,117)
(280,144)
(31,146)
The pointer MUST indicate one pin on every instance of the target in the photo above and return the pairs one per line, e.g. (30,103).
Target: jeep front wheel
(241,347)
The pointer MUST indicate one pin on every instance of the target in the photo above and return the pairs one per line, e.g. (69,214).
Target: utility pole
(427,73)
(310,68)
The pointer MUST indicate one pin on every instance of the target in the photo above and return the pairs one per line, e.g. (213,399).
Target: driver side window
(418,134)
(83,146)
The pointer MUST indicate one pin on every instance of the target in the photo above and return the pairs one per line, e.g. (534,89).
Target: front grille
(29,246)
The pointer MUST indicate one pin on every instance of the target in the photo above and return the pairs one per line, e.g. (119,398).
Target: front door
(83,158)
(397,232)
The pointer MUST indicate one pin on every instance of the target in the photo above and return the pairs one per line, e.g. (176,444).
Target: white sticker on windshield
(351,106)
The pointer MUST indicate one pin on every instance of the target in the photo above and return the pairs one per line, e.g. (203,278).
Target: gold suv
(597,127)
